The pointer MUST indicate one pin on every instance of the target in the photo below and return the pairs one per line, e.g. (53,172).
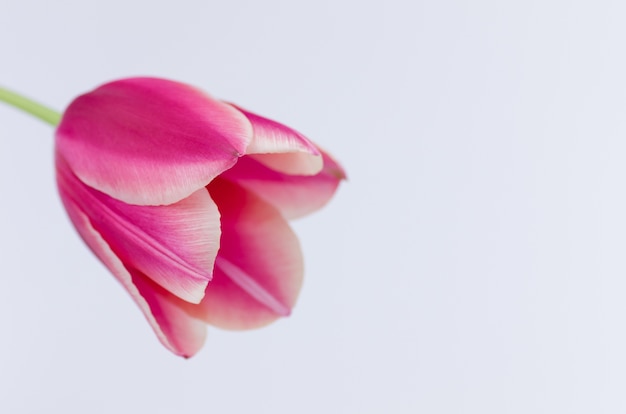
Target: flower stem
(27,105)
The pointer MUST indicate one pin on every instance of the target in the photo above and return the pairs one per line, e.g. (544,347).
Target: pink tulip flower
(185,199)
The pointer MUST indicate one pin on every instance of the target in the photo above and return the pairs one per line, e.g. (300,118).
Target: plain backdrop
(475,261)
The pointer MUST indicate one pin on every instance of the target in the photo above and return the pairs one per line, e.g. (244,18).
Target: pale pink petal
(293,163)
(174,245)
(258,272)
(294,195)
(150,141)
(281,148)
(168,316)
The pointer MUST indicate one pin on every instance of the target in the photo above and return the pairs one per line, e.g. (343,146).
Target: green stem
(27,105)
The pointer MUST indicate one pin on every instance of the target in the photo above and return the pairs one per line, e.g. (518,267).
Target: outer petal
(282,148)
(150,141)
(169,316)
(259,269)
(174,245)
(294,195)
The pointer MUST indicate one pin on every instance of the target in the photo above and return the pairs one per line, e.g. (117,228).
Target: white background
(475,261)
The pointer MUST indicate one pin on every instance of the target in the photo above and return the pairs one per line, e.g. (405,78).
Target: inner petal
(259,268)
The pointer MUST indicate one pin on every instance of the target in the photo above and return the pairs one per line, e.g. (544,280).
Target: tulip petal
(150,141)
(281,148)
(169,317)
(184,333)
(294,195)
(174,245)
(258,272)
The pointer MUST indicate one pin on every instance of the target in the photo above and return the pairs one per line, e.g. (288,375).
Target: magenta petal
(174,245)
(258,272)
(169,317)
(150,141)
(294,195)
(281,148)
(180,331)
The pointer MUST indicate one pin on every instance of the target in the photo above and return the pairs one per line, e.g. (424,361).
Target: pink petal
(169,316)
(174,245)
(150,141)
(294,195)
(184,333)
(259,269)
(282,148)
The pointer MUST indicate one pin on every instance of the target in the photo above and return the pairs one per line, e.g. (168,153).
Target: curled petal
(293,195)
(258,272)
(168,316)
(281,148)
(150,141)
(175,245)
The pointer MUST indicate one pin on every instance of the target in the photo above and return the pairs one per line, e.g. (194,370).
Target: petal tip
(339,173)
(333,168)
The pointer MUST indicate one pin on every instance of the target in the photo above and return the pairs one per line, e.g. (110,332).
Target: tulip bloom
(185,199)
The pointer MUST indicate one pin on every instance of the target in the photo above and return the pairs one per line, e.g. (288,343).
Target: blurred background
(473,263)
